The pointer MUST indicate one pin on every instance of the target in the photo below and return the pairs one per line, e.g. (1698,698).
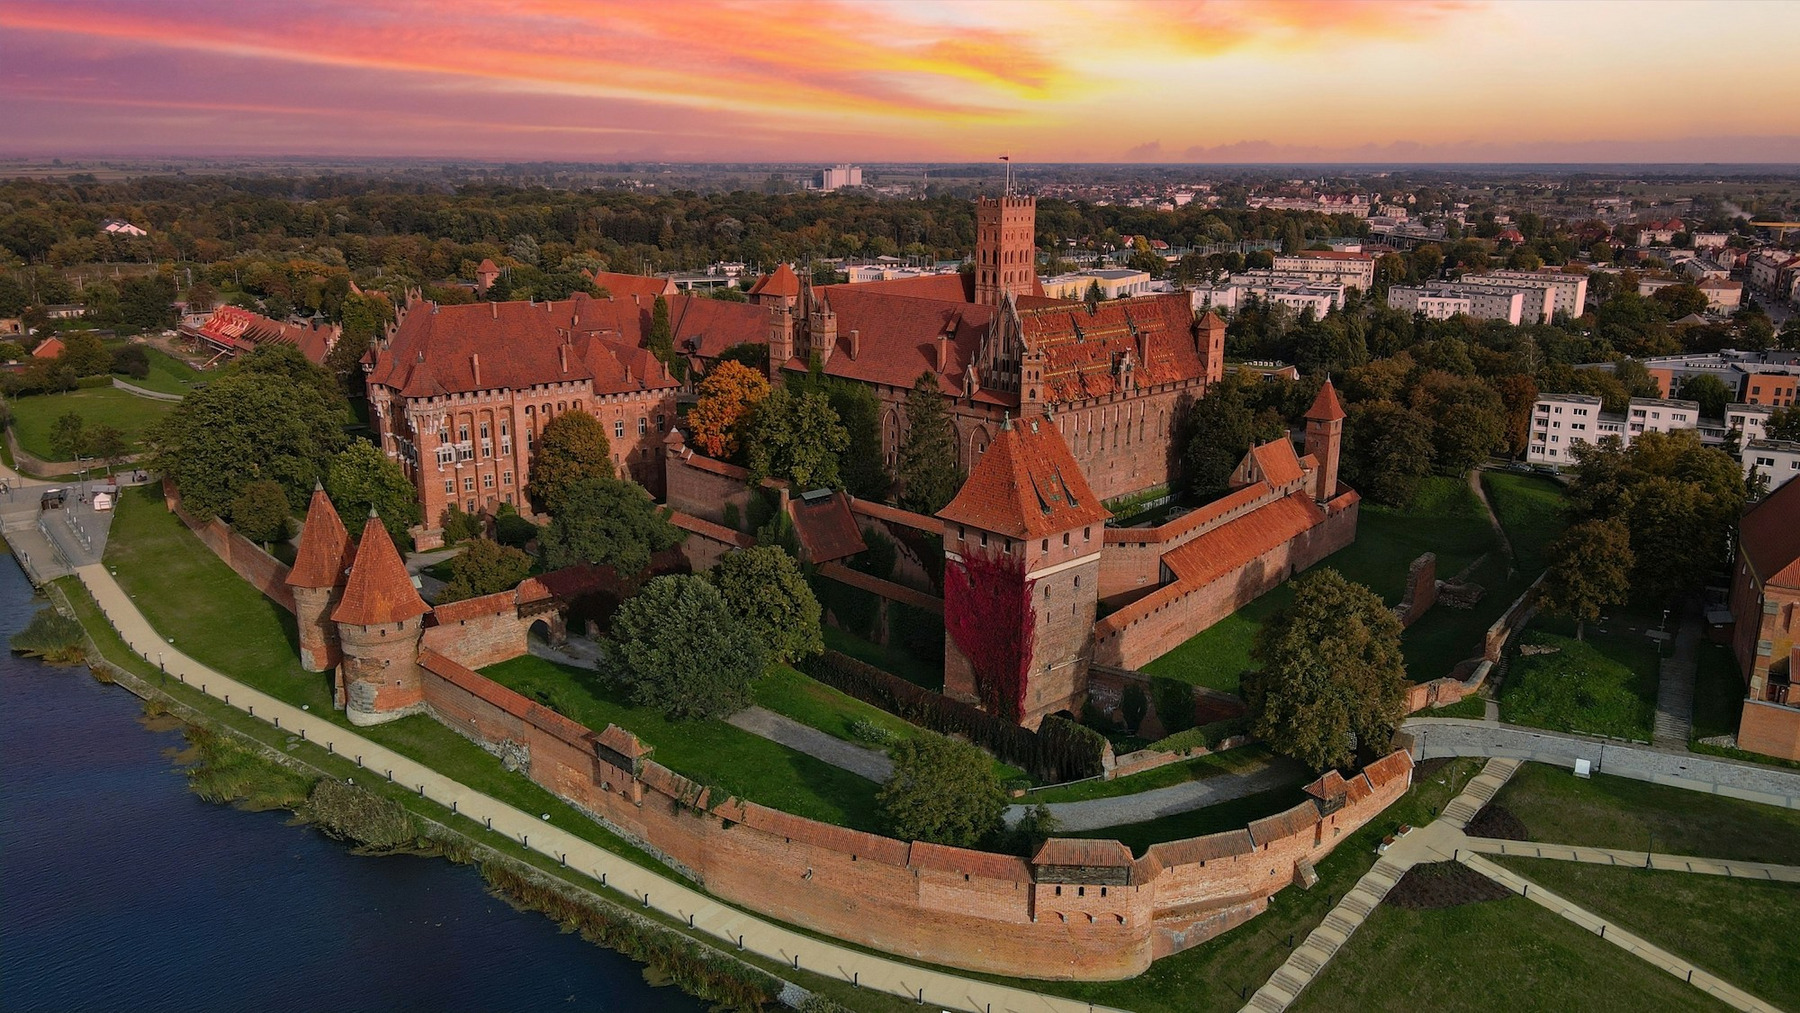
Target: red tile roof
(236,329)
(49,348)
(1277,462)
(379,590)
(1193,850)
(1770,534)
(962,861)
(826,529)
(1085,347)
(939,287)
(324,553)
(1071,851)
(624,286)
(1394,764)
(474,608)
(898,336)
(1026,485)
(1291,823)
(780,282)
(1326,407)
(1238,541)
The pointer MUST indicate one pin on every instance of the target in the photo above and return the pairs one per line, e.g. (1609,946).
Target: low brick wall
(1770,729)
(245,557)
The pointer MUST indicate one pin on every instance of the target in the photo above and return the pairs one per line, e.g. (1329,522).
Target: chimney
(635,301)
(943,352)
(563,350)
(496,309)
(855,342)
(475,365)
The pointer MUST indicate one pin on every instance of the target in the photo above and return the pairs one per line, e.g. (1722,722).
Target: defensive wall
(247,559)
(1106,915)
(1078,910)
(1131,563)
(1159,622)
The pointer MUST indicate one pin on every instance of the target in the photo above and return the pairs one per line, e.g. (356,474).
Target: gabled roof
(324,553)
(1325,407)
(780,282)
(1026,485)
(49,348)
(236,329)
(1241,539)
(1071,851)
(1277,461)
(1771,537)
(624,286)
(898,336)
(825,526)
(379,590)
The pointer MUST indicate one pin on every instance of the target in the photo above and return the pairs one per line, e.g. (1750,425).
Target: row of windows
(468,483)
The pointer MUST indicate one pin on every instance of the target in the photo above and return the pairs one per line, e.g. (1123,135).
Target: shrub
(1207,736)
(868,731)
(346,812)
(681,650)
(942,791)
(51,636)
(131,361)
(458,526)
(511,529)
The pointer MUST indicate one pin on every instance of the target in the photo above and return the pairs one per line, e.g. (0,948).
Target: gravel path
(870,763)
(1093,814)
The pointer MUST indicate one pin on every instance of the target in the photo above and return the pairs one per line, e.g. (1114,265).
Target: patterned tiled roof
(1771,538)
(826,529)
(1277,461)
(1238,541)
(780,282)
(324,552)
(239,330)
(1085,347)
(625,286)
(897,336)
(1326,407)
(1071,851)
(379,590)
(1025,485)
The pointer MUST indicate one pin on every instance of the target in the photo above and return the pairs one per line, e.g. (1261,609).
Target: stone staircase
(1480,791)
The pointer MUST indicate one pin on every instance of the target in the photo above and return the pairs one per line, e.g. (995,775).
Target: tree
(941,791)
(147,303)
(610,522)
(484,567)
(661,340)
(362,478)
(763,587)
(83,353)
(1331,675)
(678,648)
(1710,391)
(1386,451)
(572,449)
(131,361)
(363,317)
(1219,429)
(862,465)
(796,437)
(928,476)
(1468,420)
(1590,569)
(1783,424)
(69,436)
(106,444)
(261,512)
(730,391)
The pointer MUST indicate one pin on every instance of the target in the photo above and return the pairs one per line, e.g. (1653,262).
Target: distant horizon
(1227,82)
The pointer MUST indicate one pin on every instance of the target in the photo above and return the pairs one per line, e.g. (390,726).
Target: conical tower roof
(378,591)
(325,551)
(1325,407)
(1026,485)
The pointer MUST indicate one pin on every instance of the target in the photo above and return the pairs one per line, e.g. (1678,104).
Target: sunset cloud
(1051,81)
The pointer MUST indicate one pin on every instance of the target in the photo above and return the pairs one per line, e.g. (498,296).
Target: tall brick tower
(1022,545)
(318,582)
(1324,439)
(379,620)
(1005,247)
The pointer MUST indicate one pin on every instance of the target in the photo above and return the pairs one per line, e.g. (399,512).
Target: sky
(1212,81)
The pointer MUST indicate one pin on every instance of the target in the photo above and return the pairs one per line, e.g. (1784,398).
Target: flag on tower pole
(1008,160)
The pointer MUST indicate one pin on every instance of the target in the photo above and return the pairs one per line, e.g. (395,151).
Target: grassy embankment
(1446,519)
(1605,685)
(168,375)
(33,417)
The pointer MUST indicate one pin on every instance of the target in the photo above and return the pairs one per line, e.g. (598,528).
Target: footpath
(1098,813)
(727,924)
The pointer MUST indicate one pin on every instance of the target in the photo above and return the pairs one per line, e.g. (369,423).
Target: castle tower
(780,287)
(1324,439)
(781,339)
(318,582)
(1209,340)
(379,620)
(1022,545)
(821,331)
(1005,247)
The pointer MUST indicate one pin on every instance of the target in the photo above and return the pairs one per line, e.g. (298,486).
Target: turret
(317,580)
(1324,439)
(379,620)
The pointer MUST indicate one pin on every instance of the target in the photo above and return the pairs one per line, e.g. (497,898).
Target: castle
(1078,909)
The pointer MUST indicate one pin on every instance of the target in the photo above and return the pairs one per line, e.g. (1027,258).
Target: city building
(840,176)
(1561,422)
(117,227)
(1772,271)
(1776,460)
(1115,283)
(1721,296)
(233,330)
(1765,610)
(1299,295)
(1754,378)
(1354,270)
(1484,302)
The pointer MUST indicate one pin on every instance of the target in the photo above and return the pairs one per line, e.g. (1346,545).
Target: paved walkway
(1635,859)
(1097,813)
(1435,737)
(643,886)
(1493,519)
(1675,694)
(870,763)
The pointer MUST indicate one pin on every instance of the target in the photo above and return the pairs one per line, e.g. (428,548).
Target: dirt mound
(1497,821)
(1432,885)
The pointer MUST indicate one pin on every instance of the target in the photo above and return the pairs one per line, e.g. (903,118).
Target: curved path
(861,760)
(645,887)
(1098,813)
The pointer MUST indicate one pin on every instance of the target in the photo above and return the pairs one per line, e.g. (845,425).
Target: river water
(121,890)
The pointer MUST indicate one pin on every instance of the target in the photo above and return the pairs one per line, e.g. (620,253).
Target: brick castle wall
(247,559)
(480,631)
(1162,620)
(702,487)
(1770,729)
(949,906)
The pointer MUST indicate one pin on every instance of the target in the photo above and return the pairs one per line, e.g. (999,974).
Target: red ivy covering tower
(987,611)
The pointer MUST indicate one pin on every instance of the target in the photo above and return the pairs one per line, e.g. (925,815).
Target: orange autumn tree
(726,395)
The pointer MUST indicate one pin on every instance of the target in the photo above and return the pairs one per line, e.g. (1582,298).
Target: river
(121,890)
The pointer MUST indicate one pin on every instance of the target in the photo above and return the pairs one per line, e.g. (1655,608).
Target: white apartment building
(1485,302)
(1271,287)
(1115,283)
(1561,422)
(1767,268)
(1434,307)
(840,176)
(1700,269)
(1722,296)
(1776,460)
(1749,419)
(1568,291)
(1710,240)
(1356,270)
(1660,415)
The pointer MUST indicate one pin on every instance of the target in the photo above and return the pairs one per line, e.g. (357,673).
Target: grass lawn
(889,659)
(1446,519)
(1208,977)
(168,375)
(1617,812)
(1231,761)
(1604,686)
(1473,707)
(1718,691)
(710,752)
(1232,815)
(34,416)
(1530,509)
(1738,929)
(1500,956)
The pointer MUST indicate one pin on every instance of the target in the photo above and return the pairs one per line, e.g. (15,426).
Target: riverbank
(522,876)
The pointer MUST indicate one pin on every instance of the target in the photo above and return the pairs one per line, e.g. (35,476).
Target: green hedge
(1060,751)
(1174,703)
(90,382)
(1208,736)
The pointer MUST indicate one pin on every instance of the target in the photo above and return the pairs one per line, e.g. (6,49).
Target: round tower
(379,619)
(317,581)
